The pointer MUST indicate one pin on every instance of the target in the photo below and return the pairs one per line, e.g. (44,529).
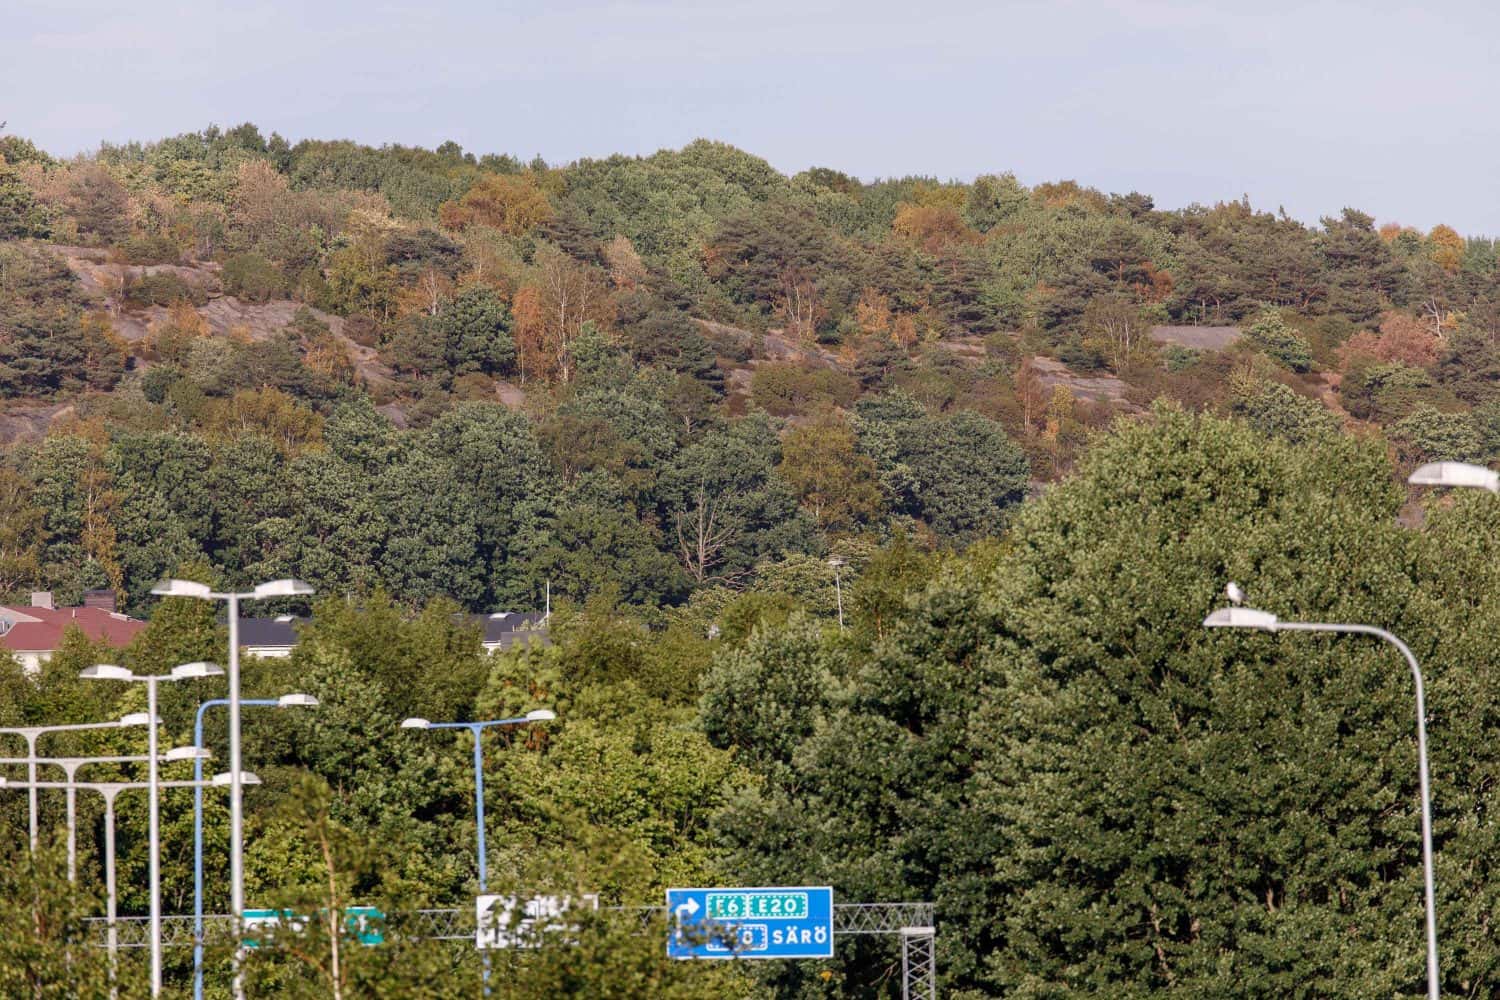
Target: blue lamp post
(285,701)
(477,729)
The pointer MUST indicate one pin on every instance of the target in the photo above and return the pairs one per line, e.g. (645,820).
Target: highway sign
(498,924)
(795,922)
(263,922)
(365,923)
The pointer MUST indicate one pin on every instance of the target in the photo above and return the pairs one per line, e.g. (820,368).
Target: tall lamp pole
(184,671)
(285,701)
(202,592)
(1250,618)
(110,790)
(477,729)
(31,734)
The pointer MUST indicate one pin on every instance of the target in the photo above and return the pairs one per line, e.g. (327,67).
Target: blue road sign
(794,922)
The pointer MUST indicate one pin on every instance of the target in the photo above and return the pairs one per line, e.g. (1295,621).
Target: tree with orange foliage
(873,312)
(626,269)
(932,227)
(1446,248)
(551,310)
(1402,338)
(511,203)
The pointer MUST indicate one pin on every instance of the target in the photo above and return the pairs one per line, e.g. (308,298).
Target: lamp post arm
(1427,864)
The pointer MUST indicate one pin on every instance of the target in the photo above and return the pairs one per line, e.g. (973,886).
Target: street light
(202,592)
(110,790)
(1458,474)
(183,671)
(72,765)
(1250,618)
(31,733)
(285,701)
(477,728)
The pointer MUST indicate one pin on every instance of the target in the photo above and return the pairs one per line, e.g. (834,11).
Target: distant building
(505,629)
(32,634)
(277,637)
(270,637)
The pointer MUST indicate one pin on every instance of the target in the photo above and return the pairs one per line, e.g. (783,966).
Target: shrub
(253,277)
(1427,435)
(163,288)
(1280,342)
(150,248)
(784,389)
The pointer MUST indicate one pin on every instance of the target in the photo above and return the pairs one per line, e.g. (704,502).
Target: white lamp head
(1460,474)
(186,671)
(136,719)
(1241,618)
(415,723)
(296,699)
(225,778)
(187,753)
(541,715)
(281,588)
(182,588)
(106,672)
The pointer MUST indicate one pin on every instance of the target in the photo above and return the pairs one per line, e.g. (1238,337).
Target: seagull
(1235,594)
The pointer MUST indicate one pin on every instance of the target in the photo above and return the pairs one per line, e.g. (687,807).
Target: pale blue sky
(1391,108)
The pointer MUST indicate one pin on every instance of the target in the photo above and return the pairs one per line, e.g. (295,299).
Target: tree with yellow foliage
(511,203)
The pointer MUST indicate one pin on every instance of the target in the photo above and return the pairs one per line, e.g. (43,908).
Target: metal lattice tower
(919,963)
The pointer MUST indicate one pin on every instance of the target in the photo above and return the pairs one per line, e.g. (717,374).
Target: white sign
(499,925)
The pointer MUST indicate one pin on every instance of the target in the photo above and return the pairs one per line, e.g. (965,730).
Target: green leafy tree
(1281,343)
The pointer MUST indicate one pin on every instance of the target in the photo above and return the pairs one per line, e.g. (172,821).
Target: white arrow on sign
(691,906)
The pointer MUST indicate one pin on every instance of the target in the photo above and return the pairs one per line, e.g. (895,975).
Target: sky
(1311,106)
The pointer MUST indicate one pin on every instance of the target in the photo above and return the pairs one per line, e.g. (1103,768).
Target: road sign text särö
(785,922)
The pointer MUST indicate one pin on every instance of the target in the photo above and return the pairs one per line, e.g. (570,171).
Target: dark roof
(502,623)
(280,631)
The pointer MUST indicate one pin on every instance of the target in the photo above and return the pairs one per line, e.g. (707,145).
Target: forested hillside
(658,377)
(858,577)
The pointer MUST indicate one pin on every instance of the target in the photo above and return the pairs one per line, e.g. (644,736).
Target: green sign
(260,922)
(757,906)
(366,923)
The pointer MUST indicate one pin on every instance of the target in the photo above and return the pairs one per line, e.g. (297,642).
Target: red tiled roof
(41,629)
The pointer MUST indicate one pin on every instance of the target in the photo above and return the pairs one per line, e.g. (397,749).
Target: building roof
(270,632)
(40,630)
(502,623)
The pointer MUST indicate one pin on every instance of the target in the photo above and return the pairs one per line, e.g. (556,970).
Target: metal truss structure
(912,922)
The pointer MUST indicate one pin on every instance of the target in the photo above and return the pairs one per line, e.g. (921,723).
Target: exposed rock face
(1089,388)
(30,422)
(223,313)
(1197,338)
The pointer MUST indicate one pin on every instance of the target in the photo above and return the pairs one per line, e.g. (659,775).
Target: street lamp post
(1250,618)
(477,728)
(32,733)
(110,790)
(184,671)
(285,701)
(202,592)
